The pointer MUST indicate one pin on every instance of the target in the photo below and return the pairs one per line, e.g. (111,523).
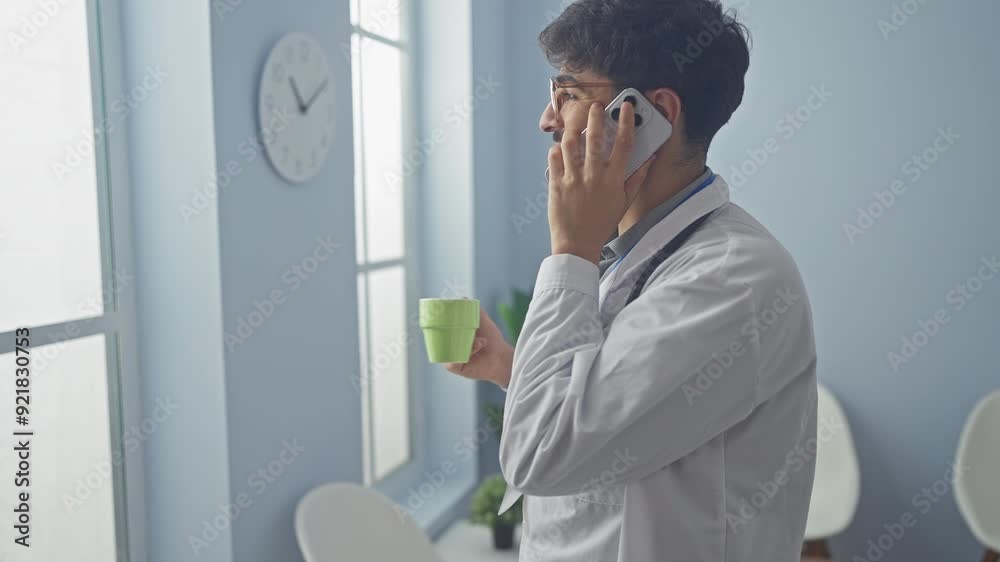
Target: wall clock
(295,106)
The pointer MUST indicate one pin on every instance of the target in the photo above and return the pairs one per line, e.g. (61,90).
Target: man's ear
(668,102)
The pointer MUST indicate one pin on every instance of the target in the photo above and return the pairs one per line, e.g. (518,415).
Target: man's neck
(661,184)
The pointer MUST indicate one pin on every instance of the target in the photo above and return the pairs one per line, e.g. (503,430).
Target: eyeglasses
(557,99)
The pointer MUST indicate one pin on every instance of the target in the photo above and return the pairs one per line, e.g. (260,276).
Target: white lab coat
(679,429)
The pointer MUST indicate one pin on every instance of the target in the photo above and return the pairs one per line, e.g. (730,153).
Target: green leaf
(522,301)
(513,315)
(495,414)
(507,317)
(486,502)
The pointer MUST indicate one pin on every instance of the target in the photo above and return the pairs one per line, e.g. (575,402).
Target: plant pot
(503,537)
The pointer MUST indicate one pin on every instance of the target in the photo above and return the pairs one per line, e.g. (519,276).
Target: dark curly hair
(690,46)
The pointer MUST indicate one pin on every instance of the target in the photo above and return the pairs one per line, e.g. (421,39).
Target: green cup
(449,327)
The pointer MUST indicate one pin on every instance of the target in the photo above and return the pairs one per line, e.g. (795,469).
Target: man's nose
(550,121)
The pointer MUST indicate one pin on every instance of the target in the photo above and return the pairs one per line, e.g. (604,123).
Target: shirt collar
(619,245)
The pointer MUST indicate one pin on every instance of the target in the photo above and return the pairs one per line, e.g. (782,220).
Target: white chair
(837,485)
(977,489)
(344,522)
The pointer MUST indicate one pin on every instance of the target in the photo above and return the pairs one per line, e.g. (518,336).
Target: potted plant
(485,504)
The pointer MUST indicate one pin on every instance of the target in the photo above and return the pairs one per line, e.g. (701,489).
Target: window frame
(118,321)
(395,482)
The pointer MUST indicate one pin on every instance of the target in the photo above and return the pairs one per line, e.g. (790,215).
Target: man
(661,401)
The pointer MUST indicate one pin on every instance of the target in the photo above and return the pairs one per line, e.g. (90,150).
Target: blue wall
(889,98)
(288,381)
(178,282)
(493,172)
(291,379)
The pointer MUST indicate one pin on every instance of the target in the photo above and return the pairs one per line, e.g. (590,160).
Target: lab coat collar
(621,244)
(702,203)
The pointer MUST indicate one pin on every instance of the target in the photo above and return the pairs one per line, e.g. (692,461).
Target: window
(62,284)
(382,124)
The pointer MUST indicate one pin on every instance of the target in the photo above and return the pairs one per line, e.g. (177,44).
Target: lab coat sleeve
(675,369)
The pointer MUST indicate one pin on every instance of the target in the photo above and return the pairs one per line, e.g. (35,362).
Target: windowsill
(465,542)
(446,505)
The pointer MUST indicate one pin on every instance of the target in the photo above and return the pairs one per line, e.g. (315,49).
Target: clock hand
(298,96)
(316,95)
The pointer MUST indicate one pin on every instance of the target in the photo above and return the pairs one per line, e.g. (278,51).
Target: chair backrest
(344,522)
(977,487)
(837,485)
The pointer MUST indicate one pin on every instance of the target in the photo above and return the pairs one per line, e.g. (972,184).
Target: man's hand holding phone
(589,192)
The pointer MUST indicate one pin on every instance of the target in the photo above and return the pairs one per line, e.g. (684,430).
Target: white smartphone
(652,129)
